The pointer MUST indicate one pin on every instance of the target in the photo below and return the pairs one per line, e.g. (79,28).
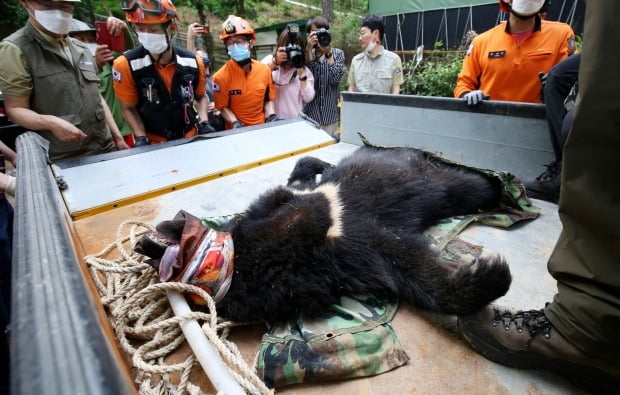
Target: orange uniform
(497,65)
(244,94)
(126,90)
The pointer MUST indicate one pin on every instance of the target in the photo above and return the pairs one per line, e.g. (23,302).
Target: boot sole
(582,375)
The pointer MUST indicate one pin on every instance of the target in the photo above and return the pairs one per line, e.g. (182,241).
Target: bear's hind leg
(423,280)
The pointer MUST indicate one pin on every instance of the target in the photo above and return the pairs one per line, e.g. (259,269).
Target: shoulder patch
(116,75)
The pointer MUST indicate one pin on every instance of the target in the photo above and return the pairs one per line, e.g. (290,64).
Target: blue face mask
(239,53)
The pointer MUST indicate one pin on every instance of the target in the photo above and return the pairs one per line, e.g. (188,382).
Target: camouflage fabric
(352,339)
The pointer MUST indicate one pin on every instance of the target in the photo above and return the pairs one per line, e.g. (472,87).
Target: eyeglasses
(239,41)
(56,5)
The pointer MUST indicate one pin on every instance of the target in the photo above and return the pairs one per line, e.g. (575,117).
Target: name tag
(235,92)
(497,54)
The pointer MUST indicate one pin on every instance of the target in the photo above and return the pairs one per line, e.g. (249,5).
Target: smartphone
(116,44)
(205,29)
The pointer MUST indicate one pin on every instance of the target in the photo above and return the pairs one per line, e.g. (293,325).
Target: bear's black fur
(359,230)
(299,248)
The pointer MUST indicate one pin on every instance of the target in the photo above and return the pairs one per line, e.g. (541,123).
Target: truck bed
(83,223)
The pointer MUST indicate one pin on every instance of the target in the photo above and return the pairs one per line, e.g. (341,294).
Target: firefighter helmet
(236,26)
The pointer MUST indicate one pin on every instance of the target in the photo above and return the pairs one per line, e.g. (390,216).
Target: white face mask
(92,48)
(371,45)
(55,21)
(155,43)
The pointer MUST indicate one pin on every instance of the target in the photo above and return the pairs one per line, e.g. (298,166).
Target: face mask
(526,8)
(239,53)
(92,48)
(155,43)
(54,21)
(371,45)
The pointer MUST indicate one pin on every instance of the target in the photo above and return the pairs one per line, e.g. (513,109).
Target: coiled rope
(146,327)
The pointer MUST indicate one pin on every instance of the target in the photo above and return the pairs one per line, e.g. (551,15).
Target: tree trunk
(241,8)
(328,9)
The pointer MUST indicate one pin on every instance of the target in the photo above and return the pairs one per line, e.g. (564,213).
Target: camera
(294,52)
(295,55)
(323,37)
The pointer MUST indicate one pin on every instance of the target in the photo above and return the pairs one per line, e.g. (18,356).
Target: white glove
(474,97)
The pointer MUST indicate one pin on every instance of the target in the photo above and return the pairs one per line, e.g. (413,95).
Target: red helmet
(149,11)
(236,26)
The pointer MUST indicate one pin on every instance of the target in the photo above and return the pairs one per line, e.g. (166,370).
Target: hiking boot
(547,185)
(528,340)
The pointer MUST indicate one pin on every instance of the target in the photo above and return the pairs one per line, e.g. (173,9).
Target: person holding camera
(293,80)
(243,90)
(327,67)
(376,70)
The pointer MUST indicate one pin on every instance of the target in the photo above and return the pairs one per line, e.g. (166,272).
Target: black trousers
(560,80)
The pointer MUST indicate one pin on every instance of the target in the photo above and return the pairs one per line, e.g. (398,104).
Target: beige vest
(67,91)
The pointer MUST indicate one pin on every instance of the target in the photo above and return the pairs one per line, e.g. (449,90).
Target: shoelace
(553,169)
(532,320)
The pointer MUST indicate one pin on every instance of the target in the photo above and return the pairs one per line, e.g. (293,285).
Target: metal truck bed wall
(58,344)
(501,136)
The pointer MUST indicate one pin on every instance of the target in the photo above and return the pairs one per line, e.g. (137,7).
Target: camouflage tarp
(352,339)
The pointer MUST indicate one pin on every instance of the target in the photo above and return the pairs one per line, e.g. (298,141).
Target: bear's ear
(172,229)
(268,202)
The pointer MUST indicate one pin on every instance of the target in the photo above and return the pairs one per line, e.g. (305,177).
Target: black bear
(298,248)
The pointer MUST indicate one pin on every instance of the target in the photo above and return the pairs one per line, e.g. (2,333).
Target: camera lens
(323,37)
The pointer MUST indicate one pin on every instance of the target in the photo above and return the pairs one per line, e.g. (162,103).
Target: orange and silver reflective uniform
(126,91)
(125,87)
(496,64)
(244,94)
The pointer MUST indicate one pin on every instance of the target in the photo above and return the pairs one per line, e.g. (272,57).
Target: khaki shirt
(378,74)
(59,78)
(15,79)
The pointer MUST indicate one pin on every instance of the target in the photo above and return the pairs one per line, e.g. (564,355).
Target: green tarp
(392,7)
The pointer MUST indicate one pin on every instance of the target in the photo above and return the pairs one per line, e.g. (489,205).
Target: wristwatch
(328,55)
(305,77)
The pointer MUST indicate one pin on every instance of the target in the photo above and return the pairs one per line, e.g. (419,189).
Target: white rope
(147,329)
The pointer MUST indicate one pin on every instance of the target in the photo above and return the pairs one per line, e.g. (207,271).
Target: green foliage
(345,32)
(14,16)
(435,75)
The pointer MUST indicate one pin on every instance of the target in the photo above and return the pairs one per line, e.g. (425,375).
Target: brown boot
(527,340)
